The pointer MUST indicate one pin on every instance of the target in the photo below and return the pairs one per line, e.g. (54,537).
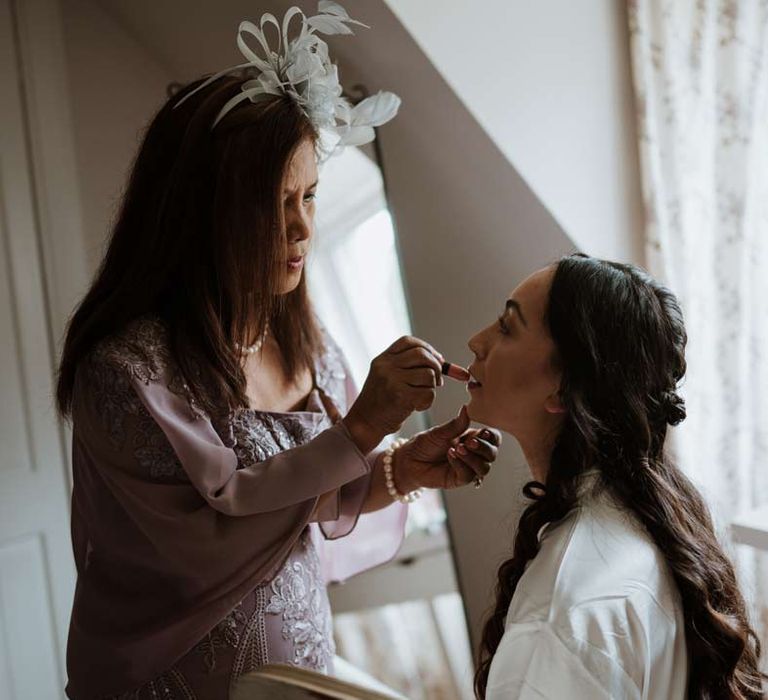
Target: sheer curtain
(701,85)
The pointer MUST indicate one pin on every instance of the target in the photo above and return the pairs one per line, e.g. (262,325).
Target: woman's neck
(537,449)
(538,463)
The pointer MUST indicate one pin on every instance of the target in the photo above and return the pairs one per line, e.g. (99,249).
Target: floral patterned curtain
(701,84)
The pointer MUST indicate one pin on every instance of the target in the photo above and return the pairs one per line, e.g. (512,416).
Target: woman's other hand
(403,379)
(447,456)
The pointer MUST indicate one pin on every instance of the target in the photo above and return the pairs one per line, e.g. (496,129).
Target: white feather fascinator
(300,68)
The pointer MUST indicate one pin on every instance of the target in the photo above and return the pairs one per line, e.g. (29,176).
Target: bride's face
(515,364)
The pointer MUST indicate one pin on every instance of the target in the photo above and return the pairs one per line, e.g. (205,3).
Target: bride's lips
(473,383)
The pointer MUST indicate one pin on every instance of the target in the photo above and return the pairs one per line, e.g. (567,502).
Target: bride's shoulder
(607,552)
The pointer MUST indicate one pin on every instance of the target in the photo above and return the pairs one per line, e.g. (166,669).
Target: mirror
(403,623)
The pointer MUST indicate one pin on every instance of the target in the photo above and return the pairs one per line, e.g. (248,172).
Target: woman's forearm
(378,497)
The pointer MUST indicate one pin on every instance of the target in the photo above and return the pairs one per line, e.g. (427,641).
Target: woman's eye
(309,197)
(503,325)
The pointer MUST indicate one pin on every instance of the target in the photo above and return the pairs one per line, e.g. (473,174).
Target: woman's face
(514,365)
(299,212)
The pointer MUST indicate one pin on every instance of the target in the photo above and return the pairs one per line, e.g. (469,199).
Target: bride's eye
(309,197)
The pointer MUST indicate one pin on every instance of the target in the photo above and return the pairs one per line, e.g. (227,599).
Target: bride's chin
(478,415)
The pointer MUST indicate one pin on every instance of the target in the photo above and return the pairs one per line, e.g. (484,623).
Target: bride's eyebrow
(514,305)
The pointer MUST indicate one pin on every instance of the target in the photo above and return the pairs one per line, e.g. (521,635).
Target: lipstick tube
(460,374)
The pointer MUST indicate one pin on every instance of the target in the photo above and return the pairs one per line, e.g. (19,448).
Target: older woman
(223,462)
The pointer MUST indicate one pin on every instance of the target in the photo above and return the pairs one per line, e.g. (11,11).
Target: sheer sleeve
(287,479)
(169,475)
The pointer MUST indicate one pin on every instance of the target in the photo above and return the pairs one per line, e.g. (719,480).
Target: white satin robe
(596,616)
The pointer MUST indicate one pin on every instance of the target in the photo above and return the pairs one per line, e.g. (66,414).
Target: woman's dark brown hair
(200,242)
(620,343)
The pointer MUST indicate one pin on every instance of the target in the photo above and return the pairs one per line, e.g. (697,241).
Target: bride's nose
(476,346)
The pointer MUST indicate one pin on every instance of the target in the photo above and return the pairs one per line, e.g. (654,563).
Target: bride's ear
(553,404)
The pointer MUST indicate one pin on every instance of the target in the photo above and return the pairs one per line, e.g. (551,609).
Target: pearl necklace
(253,349)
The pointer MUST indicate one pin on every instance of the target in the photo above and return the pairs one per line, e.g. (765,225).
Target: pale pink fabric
(178,519)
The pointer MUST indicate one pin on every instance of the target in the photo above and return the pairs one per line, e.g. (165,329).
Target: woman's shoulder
(614,551)
(140,349)
(125,363)
(600,590)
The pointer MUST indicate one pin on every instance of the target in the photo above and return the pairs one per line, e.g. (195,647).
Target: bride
(617,586)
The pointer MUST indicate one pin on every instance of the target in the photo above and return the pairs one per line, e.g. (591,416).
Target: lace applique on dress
(259,436)
(288,431)
(153,451)
(115,397)
(254,441)
(141,351)
(299,595)
(330,374)
(138,352)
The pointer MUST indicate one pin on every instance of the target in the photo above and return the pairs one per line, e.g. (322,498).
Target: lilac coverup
(204,545)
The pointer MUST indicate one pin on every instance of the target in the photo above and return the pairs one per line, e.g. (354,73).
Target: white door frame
(48,114)
(43,272)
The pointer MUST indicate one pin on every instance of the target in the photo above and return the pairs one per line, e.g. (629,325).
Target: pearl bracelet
(389,479)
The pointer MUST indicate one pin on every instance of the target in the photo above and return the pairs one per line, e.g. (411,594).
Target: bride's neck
(538,454)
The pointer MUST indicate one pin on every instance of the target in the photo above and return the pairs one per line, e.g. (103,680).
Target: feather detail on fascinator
(300,68)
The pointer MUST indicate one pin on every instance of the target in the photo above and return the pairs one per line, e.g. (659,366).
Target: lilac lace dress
(204,547)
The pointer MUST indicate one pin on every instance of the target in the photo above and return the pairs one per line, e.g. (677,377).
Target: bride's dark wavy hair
(620,343)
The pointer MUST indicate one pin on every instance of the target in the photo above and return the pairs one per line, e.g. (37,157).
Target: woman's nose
(298,224)
(475,345)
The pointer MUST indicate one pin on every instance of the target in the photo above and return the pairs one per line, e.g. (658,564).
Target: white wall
(116,85)
(550,83)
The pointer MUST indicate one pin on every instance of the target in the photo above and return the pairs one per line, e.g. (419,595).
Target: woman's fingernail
(486,435)
(452,451)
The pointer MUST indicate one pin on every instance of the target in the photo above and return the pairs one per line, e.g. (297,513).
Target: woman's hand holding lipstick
(402,379)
